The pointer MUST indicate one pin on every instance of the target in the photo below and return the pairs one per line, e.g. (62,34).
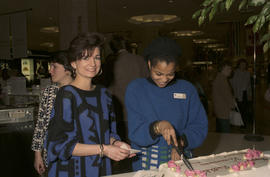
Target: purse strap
(236,106)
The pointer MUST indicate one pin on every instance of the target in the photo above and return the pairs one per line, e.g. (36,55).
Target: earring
(73,72)
(100,72)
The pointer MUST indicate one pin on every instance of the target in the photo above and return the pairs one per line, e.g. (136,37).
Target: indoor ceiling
(113,16)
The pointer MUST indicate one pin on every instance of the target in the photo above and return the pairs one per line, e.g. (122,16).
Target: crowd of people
(83,121)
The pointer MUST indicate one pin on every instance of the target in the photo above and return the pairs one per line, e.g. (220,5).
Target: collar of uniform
(173,81)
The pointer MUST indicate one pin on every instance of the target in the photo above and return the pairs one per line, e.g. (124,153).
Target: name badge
(179,96)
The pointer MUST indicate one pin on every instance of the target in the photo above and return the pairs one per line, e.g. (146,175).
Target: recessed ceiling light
(170,1)
(203,41)
(50,29)
(47,44)
(186,33)
(221,49)
(214,45)
(154,18)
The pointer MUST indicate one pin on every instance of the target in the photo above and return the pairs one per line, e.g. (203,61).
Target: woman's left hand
(174,155)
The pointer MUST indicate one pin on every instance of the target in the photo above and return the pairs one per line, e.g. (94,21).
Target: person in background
(61,74)
(241,84)
(223,100)
(82,135)
(120,69)
(197,77)
(162,109)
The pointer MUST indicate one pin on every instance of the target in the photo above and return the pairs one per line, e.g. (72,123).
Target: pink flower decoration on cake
(257,154)
(235,168)
(242,165)
(171,164)
(250,163)
(248,156)
(252,154)
(177,169)
(249,151)
(195,173)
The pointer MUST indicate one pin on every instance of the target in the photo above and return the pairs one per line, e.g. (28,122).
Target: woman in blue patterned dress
(61,74)
(82,134)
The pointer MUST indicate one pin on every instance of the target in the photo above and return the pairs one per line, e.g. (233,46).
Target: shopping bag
(267,95)
(235,117)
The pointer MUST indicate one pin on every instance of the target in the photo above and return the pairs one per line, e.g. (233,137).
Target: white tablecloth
(222,142)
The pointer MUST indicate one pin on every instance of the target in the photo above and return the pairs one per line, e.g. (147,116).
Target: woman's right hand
(167,131)
(38,163)
(115,153)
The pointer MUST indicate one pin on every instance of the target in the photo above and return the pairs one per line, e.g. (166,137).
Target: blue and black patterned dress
(80,116)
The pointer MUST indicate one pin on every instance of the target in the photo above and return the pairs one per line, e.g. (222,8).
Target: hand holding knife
(180,152)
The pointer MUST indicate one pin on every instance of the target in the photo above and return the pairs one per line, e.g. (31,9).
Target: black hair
(242,60)
(84,42)
(162,49)
(117,43)
(222,64)
(62,58)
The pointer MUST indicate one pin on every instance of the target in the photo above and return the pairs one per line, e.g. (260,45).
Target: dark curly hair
(85,42)
(242,60)
(62,58)
(117,43)
(162,49)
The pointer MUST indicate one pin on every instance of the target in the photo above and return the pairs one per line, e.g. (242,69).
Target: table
(221,142)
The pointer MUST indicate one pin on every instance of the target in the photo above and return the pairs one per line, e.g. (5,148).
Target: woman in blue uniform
(161,108)
(82,134)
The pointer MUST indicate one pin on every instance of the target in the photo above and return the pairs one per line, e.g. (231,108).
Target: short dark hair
(222,64)
(241,60)
(117,43)
(62,58)
(162,49)
(83,42)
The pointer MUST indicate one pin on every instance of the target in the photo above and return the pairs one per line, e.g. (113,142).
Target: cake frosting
(244,163)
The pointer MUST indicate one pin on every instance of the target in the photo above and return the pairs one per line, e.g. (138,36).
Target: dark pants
(223,125)
(246,109)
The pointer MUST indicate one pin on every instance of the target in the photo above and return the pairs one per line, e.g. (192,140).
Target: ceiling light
(214,45)
(154,18)
(186,33)
(221,49)
(203,41)
(50,29)
(202,62)
(47,44)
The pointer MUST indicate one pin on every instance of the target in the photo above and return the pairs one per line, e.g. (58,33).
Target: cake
(246,163)
(228,164)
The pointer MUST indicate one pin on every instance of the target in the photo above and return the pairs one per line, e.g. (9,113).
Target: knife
(180,152)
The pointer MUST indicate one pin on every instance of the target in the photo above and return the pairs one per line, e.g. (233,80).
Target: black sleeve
(184,139)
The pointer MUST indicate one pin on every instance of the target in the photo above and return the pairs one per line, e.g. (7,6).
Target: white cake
(248,163)
(244,163)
